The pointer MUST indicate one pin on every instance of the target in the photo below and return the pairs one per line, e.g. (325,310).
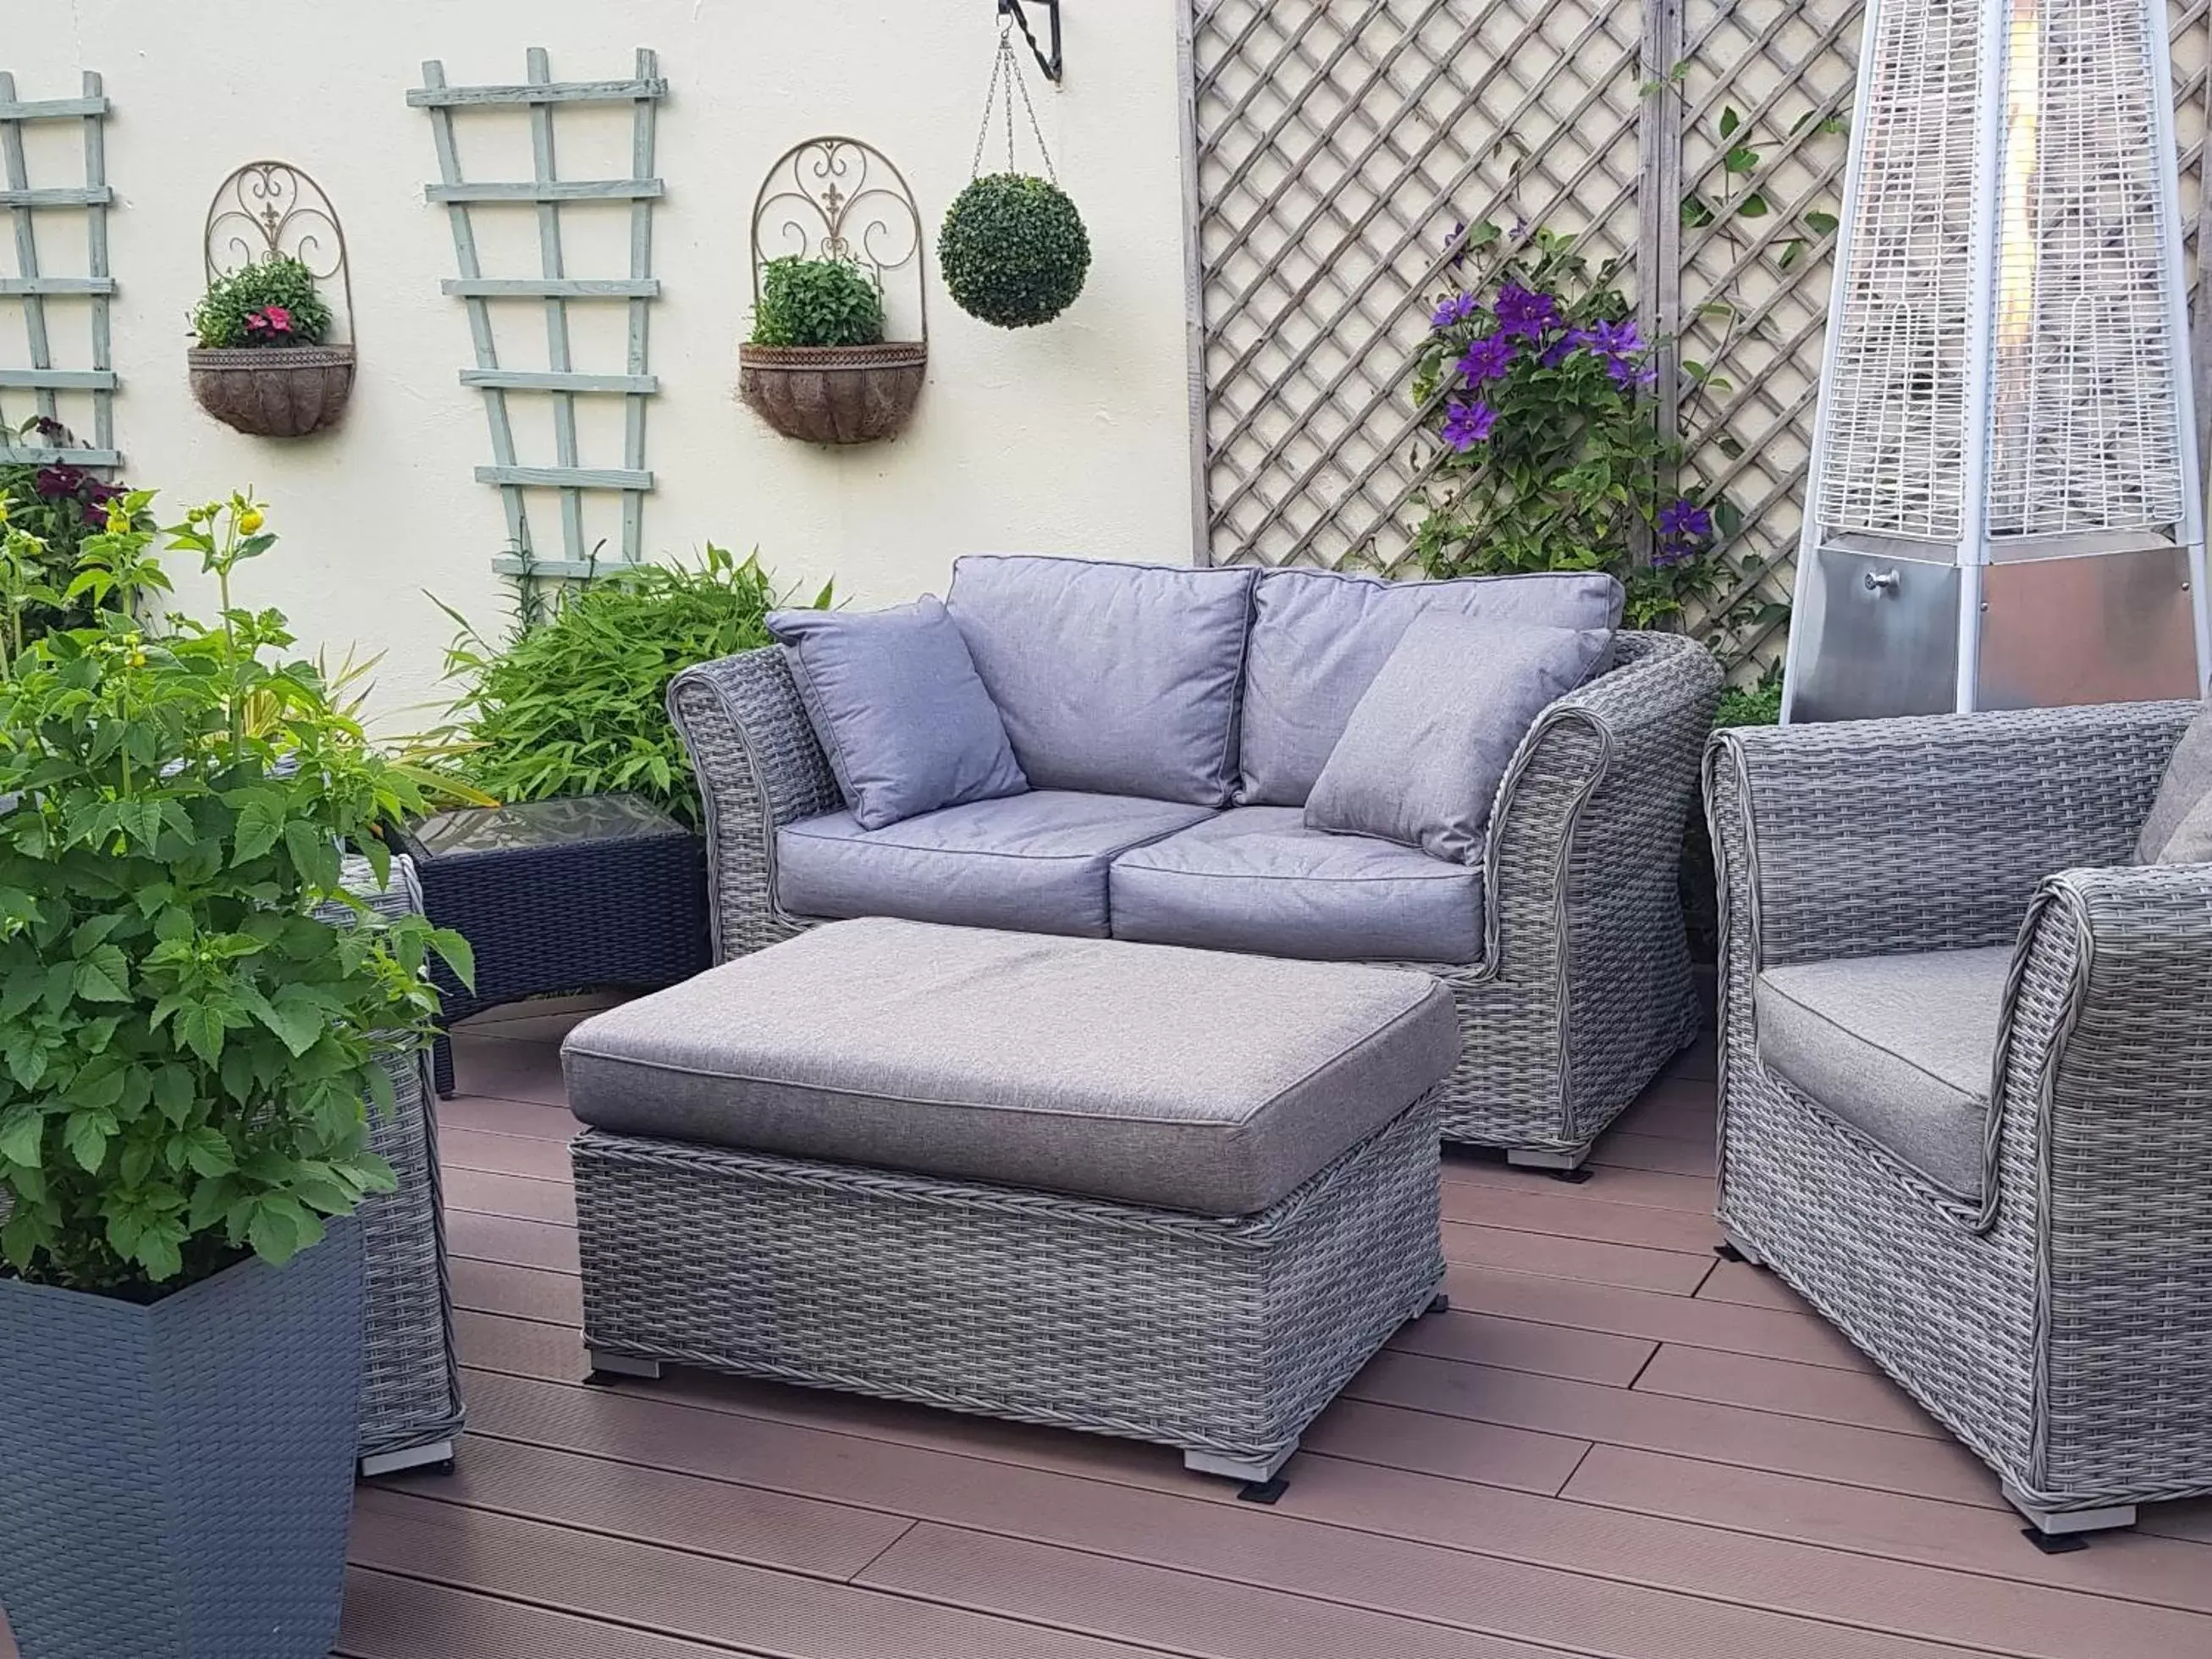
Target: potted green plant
(1013,250)
(817,365)
(187,1054)
(262,364)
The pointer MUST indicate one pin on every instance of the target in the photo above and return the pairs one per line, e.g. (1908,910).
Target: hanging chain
(1007,67)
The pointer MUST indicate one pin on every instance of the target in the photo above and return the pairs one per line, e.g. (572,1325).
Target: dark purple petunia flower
(1456,309)
(55,482)
(1523,313)
(1487,359)
(47,427)
(1468,424)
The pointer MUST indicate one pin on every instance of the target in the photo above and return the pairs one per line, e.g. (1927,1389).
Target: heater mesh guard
(2083,421)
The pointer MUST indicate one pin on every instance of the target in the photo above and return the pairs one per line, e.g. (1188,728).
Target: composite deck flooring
(1616,1444)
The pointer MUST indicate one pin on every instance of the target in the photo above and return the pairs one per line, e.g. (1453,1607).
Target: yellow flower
(250,521)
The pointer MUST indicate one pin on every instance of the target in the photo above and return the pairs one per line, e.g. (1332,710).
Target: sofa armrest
(1581,870)
(1878,837)
(2104,1126)
(759,768)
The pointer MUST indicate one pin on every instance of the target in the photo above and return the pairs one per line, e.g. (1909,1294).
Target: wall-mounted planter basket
(273,392)
(263,209)
(834,394)
(836,197)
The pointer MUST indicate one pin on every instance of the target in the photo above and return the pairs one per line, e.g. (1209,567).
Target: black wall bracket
(1050,63)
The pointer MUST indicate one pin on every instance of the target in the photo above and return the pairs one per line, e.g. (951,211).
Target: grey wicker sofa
(411,1413)
(1574,985)
(1966,1080)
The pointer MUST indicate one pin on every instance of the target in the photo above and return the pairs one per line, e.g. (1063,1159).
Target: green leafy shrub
(1535,387)
(269,302)
(817,302)
(1752,705)
(186,1050)
(1013,250)
(576,704)
(56,507)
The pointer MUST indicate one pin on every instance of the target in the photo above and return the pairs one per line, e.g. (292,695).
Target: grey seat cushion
(1256,879)
(1034,861)
(1319,639)
(1900,1047)
(1421,759)
(2186,785)
(1118,679)
(1181,1078)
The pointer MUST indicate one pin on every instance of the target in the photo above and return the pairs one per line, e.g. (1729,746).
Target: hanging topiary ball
(1013,250)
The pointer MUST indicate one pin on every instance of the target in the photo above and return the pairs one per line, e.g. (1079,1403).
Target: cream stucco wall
(1074,436)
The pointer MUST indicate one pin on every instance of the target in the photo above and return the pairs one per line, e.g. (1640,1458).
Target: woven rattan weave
(1584,989)
(1222,1337)
(411,1388)
(2062,1329)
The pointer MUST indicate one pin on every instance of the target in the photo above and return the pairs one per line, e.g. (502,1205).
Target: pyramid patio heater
(2004,509)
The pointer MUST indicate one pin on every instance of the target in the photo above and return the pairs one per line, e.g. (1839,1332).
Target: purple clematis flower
(1524,313)
(1468,424)
(1456,309)
(1487,359)
(1685,528)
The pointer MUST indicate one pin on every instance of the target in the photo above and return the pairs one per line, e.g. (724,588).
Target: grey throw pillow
(1421,760)
(2187,783)
(2191,839)
(895,699)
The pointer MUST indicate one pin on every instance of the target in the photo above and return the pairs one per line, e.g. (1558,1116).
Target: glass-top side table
(579,893)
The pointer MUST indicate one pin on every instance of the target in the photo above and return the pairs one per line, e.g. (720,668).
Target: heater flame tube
(2015,307)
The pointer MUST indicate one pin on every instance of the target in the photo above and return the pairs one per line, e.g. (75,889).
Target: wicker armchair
(1584,989)
(2058,1320)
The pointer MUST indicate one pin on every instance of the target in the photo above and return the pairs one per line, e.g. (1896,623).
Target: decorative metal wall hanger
(836,197)
(1052,63)
(267,208)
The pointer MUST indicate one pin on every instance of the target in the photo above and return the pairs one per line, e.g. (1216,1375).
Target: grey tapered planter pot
(175,1481)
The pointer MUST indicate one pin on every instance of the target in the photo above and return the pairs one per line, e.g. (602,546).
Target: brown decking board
(1615,1447)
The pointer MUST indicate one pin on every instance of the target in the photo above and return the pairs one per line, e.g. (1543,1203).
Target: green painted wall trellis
(33,288)
(560,381)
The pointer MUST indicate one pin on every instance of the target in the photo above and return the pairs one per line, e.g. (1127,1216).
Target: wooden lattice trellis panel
(1335,145)
(1336,149)
(35,287)
(560,380)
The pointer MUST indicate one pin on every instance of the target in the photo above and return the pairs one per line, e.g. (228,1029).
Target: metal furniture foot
(437,1458)
(607,1367)
(1262,1478)
(1560,1166)
(1732,1249)
(2058,1532)
(1438,1303)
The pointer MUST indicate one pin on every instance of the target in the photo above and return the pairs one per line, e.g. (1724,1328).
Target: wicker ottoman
(1167,1194)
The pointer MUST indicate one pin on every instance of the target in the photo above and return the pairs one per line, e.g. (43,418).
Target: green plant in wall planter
(1013,250)
(264,364)
(189,1047)
(817,365)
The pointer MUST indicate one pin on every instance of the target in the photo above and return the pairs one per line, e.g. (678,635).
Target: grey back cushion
(1119,678)
(900,711)
(1424,752)
(1319,639)
(2186,787)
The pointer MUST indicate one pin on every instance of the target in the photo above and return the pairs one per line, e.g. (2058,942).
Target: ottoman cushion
(1185,1079)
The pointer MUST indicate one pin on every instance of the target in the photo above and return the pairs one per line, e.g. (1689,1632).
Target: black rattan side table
(580,893)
